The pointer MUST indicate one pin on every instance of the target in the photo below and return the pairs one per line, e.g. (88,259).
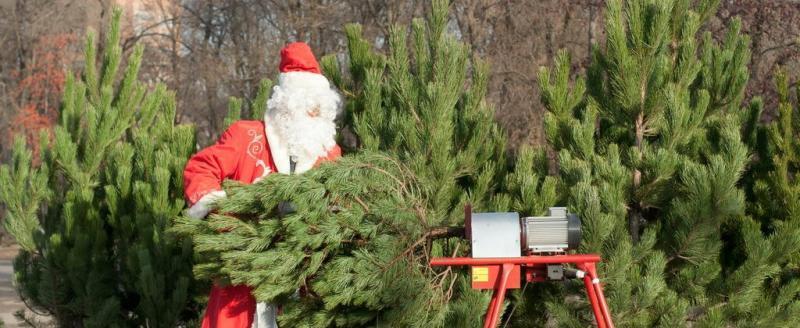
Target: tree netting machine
(507,249)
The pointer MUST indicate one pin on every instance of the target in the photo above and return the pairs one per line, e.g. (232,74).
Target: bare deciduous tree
(209,50)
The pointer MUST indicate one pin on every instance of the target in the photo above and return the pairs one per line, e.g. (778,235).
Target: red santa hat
(297,57)
(300,85)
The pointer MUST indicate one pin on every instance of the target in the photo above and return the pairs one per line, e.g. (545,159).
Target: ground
(9,302)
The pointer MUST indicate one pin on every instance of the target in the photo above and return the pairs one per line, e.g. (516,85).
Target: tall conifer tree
(773,191)
(650,153)
(91,217)
(413,103)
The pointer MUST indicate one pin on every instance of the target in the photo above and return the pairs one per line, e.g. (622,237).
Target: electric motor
(558,232)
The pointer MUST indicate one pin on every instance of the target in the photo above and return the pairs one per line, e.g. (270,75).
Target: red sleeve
(205,171)
(335,153)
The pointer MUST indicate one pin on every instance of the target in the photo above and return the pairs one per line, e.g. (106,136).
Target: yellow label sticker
(480,274)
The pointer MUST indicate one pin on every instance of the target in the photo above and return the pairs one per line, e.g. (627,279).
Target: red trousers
(230,307)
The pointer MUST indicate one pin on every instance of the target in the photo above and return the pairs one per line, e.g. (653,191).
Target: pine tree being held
(356,248)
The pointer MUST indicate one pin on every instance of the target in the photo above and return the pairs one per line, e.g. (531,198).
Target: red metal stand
(532,266)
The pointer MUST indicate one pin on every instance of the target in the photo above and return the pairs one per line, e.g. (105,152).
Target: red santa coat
(243,154)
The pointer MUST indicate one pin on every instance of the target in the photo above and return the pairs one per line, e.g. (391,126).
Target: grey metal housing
(558,232)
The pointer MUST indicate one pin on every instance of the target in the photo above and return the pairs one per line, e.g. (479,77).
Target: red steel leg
(600,298)
(493,314)
(592,295)
(490,311)
(595,295)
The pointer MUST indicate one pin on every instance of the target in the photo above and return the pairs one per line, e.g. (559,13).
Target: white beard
(296,134)
(307,138)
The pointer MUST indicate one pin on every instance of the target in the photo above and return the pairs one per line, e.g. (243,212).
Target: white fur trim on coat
(265,316)
(277,146)
(200,209)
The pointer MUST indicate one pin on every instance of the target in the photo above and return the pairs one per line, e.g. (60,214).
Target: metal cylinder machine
(507,248)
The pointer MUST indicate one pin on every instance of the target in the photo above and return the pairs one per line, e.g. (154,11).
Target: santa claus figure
(297,133)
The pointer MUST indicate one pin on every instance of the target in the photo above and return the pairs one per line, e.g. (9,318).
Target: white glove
(200,209)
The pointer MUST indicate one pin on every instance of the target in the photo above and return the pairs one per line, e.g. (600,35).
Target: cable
(515,305)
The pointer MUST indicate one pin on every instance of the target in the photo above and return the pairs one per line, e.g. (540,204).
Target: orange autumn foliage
(29,121)
(39,88)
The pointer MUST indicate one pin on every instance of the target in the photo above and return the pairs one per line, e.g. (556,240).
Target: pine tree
(773,192)
(256,107)
(357,249)
(91,218)
(650,155)
(776,191)
(414,104)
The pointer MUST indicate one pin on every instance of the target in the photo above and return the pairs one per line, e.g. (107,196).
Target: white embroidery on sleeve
(255,147)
